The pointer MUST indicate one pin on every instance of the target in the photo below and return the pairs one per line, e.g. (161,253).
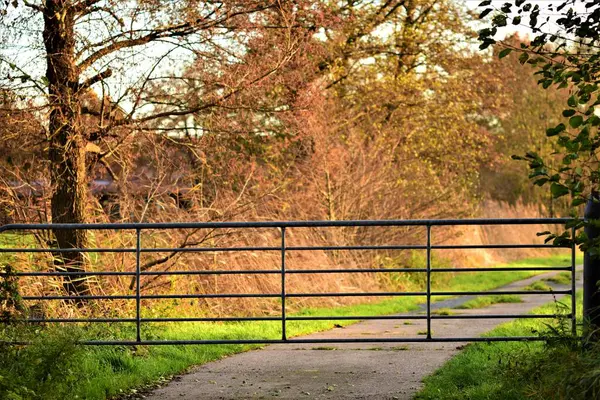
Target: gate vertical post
(428,281)
(283,327)
(591,275)
(573,297)
(138,318)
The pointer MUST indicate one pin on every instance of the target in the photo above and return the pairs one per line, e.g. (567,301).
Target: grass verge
(538,285)
(563,278)
(107,371)
(485,301)
(518,371)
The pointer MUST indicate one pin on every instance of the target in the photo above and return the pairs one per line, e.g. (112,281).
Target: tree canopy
(564,55)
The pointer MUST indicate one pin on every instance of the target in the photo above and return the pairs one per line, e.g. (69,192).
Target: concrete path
(344,371)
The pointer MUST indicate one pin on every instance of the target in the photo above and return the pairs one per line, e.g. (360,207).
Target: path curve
(349,370)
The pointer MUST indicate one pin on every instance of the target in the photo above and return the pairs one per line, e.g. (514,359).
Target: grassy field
(104,372)
(516,371)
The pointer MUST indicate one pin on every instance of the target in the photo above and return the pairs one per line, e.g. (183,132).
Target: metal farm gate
(283,250)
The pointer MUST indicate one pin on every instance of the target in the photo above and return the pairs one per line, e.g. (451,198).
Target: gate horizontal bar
(290,271)
(126,320)
(69,273)
(306,341)
(336,248)
(75,320)
(352,270)
(209,296)
(355,317)
(320,341)
(501,269)
(70,250)
(288,224)
(82,297)
(215,272)
(298,318)
(206,249)
(496,316)
(269,248)
(272,295)
(501,292)
(492,246)
(354,294)
(153,296)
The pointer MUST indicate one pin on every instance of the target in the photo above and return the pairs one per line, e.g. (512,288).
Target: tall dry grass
(498,234)
(266,260)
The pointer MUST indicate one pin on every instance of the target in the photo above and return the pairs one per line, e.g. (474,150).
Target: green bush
(44,368)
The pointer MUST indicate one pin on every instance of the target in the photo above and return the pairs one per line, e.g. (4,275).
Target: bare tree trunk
(67,143)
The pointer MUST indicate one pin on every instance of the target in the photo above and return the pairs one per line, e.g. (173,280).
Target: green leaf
(549,238)
(576,121)
(504,53)
(577,202)
(516,20)
(523,58)
(568,113)
(485,3)
(558,190)
(556,130)
(572,102)
(574,223)
(485,12)
(486,43)
(532,155)
(499,20)
(538,172)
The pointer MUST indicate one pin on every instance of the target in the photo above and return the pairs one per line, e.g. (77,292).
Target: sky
(36,64)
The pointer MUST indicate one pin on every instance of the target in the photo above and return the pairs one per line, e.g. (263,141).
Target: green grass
(443,311)
(563,278)
(102,372)
(506,370)
(485,301)
(537,285)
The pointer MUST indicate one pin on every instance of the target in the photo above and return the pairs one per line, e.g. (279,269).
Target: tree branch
(107,73)
(180,30)
(33,6)
(83,6)
(193,110)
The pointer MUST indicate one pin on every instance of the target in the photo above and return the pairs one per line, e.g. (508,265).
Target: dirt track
(343,371)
